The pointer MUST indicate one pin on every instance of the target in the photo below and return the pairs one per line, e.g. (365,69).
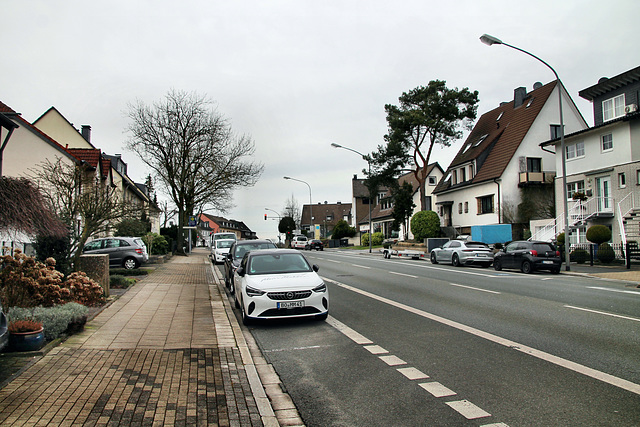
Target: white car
(220,249)
(276,284)
(299,242)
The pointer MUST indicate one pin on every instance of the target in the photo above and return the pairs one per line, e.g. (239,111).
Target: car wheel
(526,267)
(130,263)
(433,258)
(455,260)
(246,320)
(497,265)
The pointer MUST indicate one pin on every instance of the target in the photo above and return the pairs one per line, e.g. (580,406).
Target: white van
(224,235)
(299,242)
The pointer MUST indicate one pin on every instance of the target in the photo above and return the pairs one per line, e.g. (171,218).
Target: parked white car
(220,249)
(299,242)
(279,283)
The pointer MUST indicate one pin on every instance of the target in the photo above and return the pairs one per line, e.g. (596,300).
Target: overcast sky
(297,75)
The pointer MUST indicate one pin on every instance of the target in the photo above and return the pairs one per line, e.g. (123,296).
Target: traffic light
(265,217)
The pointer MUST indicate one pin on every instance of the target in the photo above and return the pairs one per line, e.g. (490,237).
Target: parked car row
(524,255)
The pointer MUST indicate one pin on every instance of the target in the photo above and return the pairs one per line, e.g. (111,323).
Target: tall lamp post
(490,40)
(310,202)
(334,145)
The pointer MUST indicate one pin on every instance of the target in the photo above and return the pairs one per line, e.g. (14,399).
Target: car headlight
(252,292)
(320,288)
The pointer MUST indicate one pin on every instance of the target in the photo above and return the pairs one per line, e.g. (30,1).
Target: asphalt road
(411,343)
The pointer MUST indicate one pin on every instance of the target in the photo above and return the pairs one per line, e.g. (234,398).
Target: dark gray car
(4,329)
(236,252)
(126,252)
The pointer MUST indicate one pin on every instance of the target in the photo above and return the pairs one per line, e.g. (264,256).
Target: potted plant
(26,335)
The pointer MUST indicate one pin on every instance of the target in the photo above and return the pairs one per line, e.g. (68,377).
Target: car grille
(288,295)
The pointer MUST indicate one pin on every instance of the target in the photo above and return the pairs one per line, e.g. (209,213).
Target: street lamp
(310,202)
(334,145)
(279,217)
(490,40)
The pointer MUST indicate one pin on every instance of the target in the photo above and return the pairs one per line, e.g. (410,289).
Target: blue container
(26,341)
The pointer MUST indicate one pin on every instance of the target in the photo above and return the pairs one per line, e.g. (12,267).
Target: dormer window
(479,141)
(613,108)
(500,116)
(529,103)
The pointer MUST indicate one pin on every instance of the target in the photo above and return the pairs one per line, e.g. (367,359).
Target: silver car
(459,252)
(126,252)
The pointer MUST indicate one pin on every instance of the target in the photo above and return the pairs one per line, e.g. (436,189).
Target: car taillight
(557,253)
(533,252)
(467,250)
(139,251)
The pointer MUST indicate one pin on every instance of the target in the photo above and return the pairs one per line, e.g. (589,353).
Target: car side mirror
(315,268)
(240,271)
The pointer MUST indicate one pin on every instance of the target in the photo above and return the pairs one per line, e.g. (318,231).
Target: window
(459,208)
(471,172)
(622,180)
(454,178)
(607,142)
(638,177)
(485,204)
(534,164)
(433,180)
(575,150)
(479,141)
(466,207)
(613,107)
(574,187)
(463,175)
(555,131)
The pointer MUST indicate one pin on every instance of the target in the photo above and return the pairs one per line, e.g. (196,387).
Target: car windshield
(240,250)
(223,244)
(224,236)
(542,247)
(278,263)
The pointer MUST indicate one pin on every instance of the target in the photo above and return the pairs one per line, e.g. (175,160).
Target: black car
(314,244)
(4,329)
(236,252)
(528,256)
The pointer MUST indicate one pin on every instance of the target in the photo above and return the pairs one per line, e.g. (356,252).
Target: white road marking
(413,373)
(403,274)
(375,349)
(392,360)
(348,332)
(475,289)
(614,290)
(456,270)
(468,409)
(576,367)
(295,348)
(603,313)
(361,266)
(495,425)
(332,260)
(437,389)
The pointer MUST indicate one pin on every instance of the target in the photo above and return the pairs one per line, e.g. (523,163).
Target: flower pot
(26,341)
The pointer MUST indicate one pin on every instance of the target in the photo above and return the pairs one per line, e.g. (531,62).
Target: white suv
(299,242)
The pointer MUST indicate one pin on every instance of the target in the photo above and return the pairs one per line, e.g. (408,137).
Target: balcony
(536,178)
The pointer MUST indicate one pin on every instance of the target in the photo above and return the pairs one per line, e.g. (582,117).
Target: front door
(603,192)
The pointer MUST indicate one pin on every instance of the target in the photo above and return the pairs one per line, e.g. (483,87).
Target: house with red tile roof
(501,165)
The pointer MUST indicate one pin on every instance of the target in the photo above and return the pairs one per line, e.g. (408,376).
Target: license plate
(547,262)
(291,304)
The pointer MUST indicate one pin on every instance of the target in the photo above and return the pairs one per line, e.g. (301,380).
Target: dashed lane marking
(437,389)
(375,349)
(614,290)
(403,274)
(413,373)
(468,409)
(475,289)
(603,313)
(392,360)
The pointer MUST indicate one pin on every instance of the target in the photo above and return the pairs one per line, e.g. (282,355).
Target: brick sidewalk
(165,353)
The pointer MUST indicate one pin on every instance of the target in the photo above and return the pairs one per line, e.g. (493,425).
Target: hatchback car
(279,284)
(220,249)
(126,252)
(236,252)
(4,329)
(528,256)
(459,252)
(314,244)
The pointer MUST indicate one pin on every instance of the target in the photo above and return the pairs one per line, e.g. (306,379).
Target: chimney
(86,132)
(519,94)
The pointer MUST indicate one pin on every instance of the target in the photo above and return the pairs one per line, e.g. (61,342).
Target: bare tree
(292,209)
(192,151)
(82,200)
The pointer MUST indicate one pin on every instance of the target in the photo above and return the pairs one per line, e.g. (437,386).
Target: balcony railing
(536,178)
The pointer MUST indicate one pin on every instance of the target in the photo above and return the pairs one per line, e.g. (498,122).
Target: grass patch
(120,282)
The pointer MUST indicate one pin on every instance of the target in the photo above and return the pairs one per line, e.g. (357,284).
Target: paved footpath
(168,352)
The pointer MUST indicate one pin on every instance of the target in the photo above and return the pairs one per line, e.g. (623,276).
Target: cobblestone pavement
(167,352)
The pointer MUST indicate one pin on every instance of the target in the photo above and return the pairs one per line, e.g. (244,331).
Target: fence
(624,251)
